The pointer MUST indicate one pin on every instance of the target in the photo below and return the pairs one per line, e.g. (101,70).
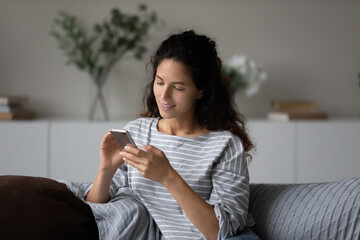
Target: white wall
(310,50)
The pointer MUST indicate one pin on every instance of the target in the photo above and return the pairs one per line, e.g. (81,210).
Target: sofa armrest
(41,208)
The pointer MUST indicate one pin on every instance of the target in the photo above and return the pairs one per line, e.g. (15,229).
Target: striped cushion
(307,211)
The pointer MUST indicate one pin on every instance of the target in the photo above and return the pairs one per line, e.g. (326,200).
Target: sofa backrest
(307,211)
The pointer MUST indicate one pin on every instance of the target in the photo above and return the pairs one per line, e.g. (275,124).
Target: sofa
(41,208)
(329,210)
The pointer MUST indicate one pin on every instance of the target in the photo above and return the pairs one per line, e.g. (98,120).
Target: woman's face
(175,91)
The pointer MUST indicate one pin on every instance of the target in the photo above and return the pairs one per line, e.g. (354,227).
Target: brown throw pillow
(42,208)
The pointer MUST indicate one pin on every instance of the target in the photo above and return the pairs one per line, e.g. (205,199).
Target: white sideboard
(74,150)
(273,160)
(24,148)
(327,151)
(287,152)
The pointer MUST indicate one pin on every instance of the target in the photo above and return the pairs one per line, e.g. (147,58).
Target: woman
(190,170)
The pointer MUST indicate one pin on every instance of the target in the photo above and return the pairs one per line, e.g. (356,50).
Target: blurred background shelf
(287,152)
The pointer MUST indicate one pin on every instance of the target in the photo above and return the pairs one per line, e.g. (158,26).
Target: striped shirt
(213,165)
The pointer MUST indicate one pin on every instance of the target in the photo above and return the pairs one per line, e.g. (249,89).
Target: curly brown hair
(216,109)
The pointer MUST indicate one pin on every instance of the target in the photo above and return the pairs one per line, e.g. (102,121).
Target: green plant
(123,35)
(112,40)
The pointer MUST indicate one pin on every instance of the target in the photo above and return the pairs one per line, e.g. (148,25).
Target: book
(21,114)
(293,115)
(10,107)
(12,99)
(294,105)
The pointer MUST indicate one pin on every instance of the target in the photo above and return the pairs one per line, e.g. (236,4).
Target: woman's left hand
(151,163)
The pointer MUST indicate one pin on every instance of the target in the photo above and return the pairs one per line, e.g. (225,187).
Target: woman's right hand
(110,161)
(110,158)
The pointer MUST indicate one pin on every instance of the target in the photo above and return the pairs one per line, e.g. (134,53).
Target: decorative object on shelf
(245,74)
(121,36)
(295,110)
(12,107)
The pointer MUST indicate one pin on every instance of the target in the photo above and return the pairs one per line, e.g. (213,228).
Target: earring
(200,95)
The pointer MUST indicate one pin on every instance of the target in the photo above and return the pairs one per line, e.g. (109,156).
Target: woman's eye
(159,83)
(178,88)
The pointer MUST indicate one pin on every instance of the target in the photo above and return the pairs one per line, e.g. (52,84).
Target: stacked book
(295,110)
(12,107)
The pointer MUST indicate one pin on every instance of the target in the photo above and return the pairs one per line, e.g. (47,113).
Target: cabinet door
(273,161)
(23,148)
(75,149)
(328,151)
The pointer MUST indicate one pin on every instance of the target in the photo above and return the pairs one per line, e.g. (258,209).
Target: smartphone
(122,138)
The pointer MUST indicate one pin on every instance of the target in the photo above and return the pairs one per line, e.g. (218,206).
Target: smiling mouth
(167,106)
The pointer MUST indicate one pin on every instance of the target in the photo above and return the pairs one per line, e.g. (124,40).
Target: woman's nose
(166,93)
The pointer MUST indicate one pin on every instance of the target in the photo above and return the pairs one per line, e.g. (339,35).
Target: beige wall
(310,49)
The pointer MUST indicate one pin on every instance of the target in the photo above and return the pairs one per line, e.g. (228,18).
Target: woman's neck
(181,128)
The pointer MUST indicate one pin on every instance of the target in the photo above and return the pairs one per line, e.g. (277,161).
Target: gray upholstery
(307,211)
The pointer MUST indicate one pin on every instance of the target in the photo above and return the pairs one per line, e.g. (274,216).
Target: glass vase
(100,113)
